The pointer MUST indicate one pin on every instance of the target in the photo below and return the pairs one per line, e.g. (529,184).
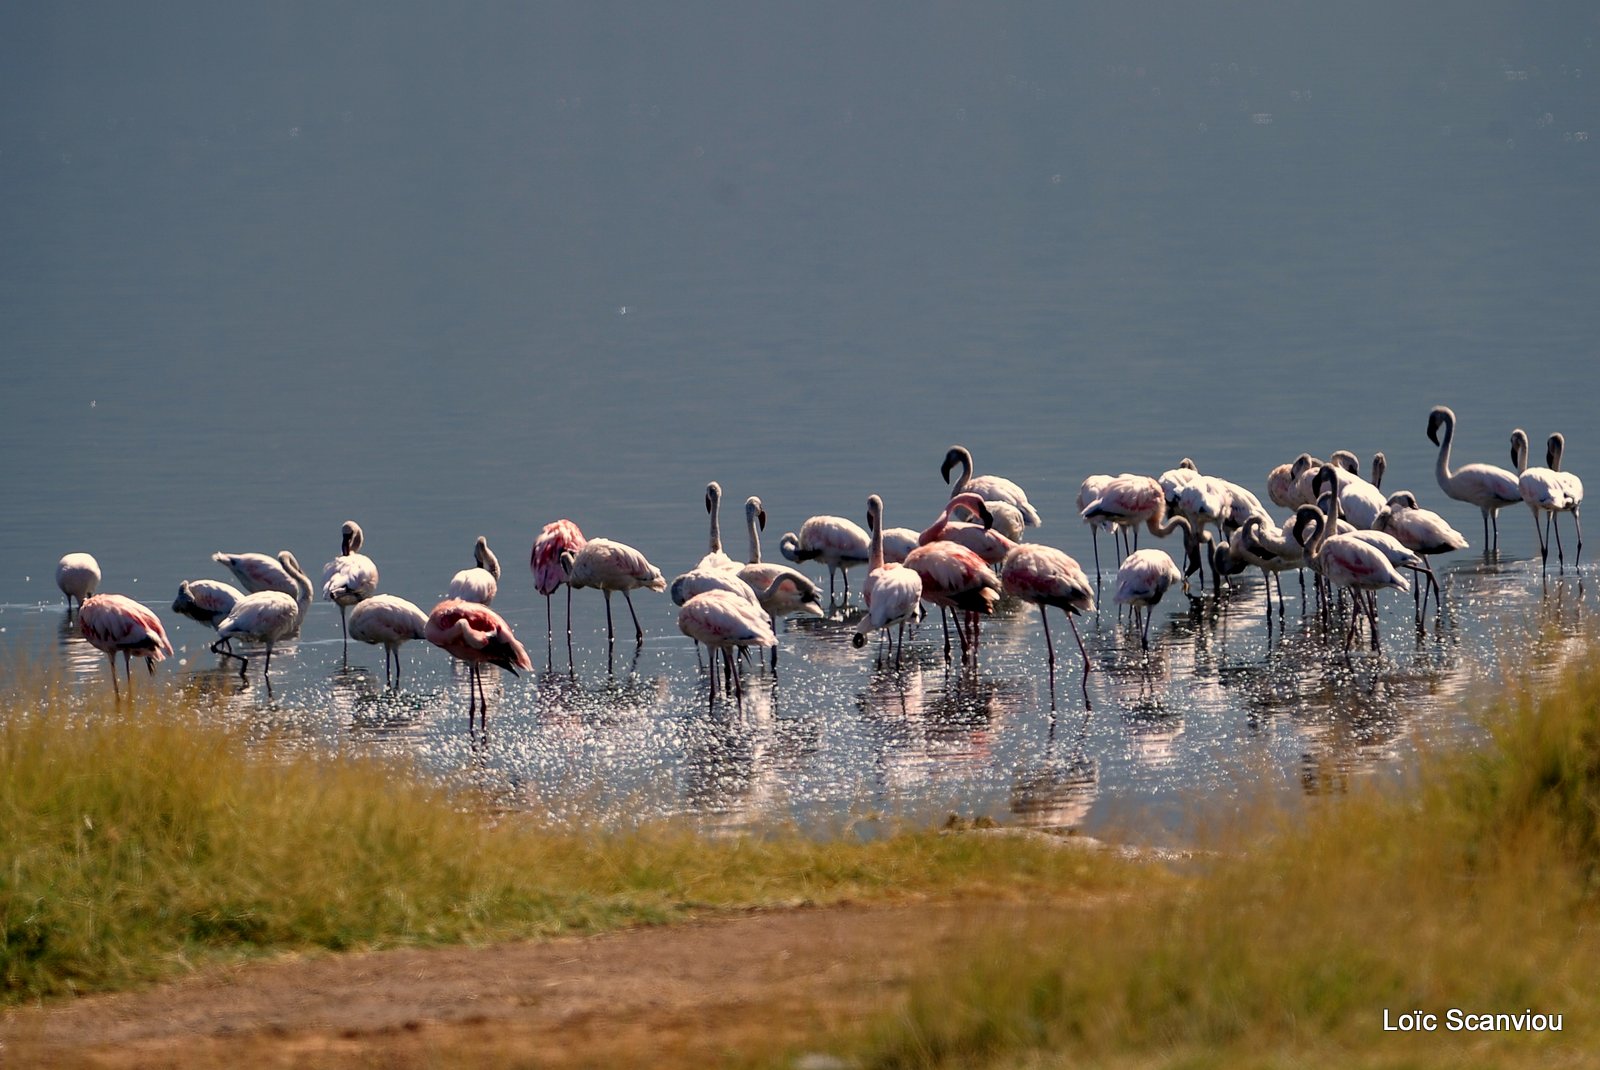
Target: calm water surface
(461,273)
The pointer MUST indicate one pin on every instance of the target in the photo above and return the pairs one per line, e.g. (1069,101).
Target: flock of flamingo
(1342,527)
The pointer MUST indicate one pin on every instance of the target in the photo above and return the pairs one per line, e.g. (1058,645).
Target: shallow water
(461,273)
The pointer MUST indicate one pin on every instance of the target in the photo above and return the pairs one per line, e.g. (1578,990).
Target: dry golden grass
(1474,888)
(141,839)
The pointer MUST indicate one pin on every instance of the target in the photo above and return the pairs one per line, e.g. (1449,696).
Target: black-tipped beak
(761,519)
(944,469)
(986,517)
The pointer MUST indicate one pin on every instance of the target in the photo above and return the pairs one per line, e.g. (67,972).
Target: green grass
(1474,887)
(141,840)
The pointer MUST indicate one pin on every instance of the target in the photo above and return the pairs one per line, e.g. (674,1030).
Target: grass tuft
(142,840)
(1472,888)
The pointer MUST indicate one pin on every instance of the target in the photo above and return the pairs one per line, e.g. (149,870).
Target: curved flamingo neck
(1441,467)
(755,536)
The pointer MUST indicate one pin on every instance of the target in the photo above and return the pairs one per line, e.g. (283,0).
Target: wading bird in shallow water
(113,624)
(350,577)
(477,635)
(722,621)
(1488,487)
(258,572)
(78,576)
(989,488)
(794,594)
(1555,446)
(207,601)
(893,593)
(1048,577)
(836,542)
(955,578)
(612,566)
(266,617)
(481,583)
(1422,531)
(556,538)
(1142,581)
(387,621)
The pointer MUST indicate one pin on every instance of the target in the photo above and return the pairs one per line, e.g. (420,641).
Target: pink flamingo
(1422,531)
(478,584)
(988,488)
(389,621)
(714,557)
(612,566)
(113,623)
(1347,561)
(557,537)
(1090,489)
(892,592)
(207,601)
(476,634)
(833,540)
(1142,581)
(1047,577)
(78,576)
(955,578)
(1131,501)
(979,538)
(722,621)
(350,577)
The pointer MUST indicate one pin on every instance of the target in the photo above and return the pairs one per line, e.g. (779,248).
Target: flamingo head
(1401,499)
(975,504)
(953,456)
(1346,460)
(1302,464)
(1437,419)
(858,640)
(1304,517)
(1519,448)
(566,559)
(1188,462)
(1325,474)
(713,496)
(350,538)
(1380,465)
(1553,449)
(754,511)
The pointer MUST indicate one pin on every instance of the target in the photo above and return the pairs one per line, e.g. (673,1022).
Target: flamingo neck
(1441,467)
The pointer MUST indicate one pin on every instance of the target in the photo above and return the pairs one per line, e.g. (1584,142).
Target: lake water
(454,273)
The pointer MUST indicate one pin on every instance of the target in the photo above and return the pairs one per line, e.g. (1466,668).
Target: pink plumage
(1045,577)
(986,543)
(558,535)
(477,635)
(114,623)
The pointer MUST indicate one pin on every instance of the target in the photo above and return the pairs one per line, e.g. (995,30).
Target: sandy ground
(702,994)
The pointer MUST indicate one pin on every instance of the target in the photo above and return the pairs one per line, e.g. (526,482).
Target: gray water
(452,273)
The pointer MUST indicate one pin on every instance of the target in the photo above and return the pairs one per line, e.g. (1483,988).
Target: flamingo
(479,584)
(897,543)
(1174,480)
(78,575)
(207,601)
(1129,501)
(1422,531)
(476,634)
(266,617)
(714,557)
(1555,446)
(833,540)
(257,572)
(1380,465)
(792,591)
(1543,489)
(722,620)
(350,577)
(893,593)
(716,570)
(1487,486)
(1045,576)
(389,621)
(955,578)
(1142,581)
(612,566)
(979,538)
(1262,543)
(114,623)
(989,488)
(1346,561)
(1091,488)
(545,561)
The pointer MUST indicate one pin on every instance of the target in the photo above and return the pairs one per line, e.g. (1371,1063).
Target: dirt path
(696,995)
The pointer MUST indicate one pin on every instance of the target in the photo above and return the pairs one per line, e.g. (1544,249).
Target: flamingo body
(78,576)
(114,623)
(388,621)
(482,582)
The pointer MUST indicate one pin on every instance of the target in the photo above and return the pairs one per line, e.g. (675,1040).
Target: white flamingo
(78,576)
(207,601)
(714,557)
(836,542)
(478,584)
(981,539)
(351,576)
(1555,446)
(989,488)
(113,624)
(388,621)
(1142,581)
(1422,531)
(612,566)
(792,591)
(1487,486)
(1543,489)
(257,572)
(266,617)
(1091,488)
(893,593)
(1347,561)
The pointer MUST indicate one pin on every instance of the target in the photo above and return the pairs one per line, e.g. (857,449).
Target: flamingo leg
(611,637)
(116,688)
(1561,557)
(549,624)
(638,632)
(945,621)
(1094,533)
(568,586)
(344,634)
(1048,644)
(1577,523)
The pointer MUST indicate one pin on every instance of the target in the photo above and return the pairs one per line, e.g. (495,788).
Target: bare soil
(753,988)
